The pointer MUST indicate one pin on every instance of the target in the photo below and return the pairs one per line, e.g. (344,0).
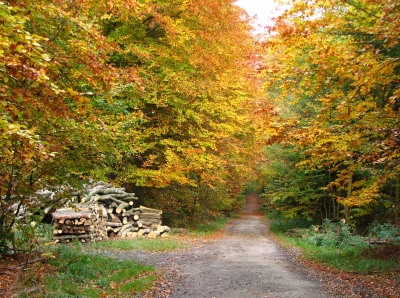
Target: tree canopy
(153,93)
(332,70)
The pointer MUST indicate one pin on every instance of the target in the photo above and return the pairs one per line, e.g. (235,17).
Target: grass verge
(346,257)
(142,244)
(73,273)
(210,228)
(336,246)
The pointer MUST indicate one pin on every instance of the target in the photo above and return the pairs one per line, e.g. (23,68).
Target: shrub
(334,234)
(384,231)
(280,224)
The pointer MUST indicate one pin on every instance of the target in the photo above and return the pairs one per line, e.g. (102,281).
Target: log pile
(84,223)
(134,222)
(118,217)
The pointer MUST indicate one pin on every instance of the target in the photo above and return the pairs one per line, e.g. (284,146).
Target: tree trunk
(194,207)
(346,206)
(397,203)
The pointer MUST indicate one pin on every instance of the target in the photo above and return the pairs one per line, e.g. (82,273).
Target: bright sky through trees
(264,10)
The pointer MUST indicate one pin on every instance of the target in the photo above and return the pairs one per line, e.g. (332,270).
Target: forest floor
(246,261)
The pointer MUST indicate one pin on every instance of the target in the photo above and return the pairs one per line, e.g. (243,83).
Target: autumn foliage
(152,93)
(332,75)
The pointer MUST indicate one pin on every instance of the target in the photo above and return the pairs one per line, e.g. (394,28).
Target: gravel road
(244,262)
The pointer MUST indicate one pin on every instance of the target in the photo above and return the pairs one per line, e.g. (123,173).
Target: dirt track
(244,262)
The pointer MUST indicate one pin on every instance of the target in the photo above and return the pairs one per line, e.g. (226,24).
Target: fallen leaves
(346,284)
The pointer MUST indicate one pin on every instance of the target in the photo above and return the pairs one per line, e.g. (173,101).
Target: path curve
(244,262)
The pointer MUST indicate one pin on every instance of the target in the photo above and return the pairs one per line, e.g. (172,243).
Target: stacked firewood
(118,216)
(123,219)
(84,223)
(109,196)
(135,222)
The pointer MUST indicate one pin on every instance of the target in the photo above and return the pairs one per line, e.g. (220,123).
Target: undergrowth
(74,273)
(280,224)
(336,244)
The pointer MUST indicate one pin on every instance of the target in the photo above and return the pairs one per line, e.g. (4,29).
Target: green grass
(143,244)
(79,274)
(207,229)
(346,257)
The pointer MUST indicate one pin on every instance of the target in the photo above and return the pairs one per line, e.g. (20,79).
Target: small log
(144,217)
(102,211)
(120,196)
(153,234)
(123,228)
(113,224)
(143,232)
(163,229)
(114,218)
(106,191)
(131,213)
(150,210)
(132,234)
(131,229)
(136,210)
(71,215)
(88,222)
(108,200)
(121,207)
(151,222)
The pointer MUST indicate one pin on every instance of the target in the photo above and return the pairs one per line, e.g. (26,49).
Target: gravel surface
(244,262)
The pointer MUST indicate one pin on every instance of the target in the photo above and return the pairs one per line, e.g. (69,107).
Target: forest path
(244,262)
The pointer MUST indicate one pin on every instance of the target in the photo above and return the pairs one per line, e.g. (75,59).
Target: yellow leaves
(106,17)
(46,57)
(20,49)
(339,71)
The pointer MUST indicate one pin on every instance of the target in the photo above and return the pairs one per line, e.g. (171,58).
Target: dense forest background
(331,72)
(179,102)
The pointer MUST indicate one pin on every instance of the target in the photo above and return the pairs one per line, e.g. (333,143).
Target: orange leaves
(332,70)
(152,91)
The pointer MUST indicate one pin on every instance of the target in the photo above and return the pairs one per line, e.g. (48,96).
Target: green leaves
(150,92)
(330,79)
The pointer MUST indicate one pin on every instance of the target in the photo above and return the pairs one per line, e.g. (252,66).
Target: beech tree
(152,93)
(337,63)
